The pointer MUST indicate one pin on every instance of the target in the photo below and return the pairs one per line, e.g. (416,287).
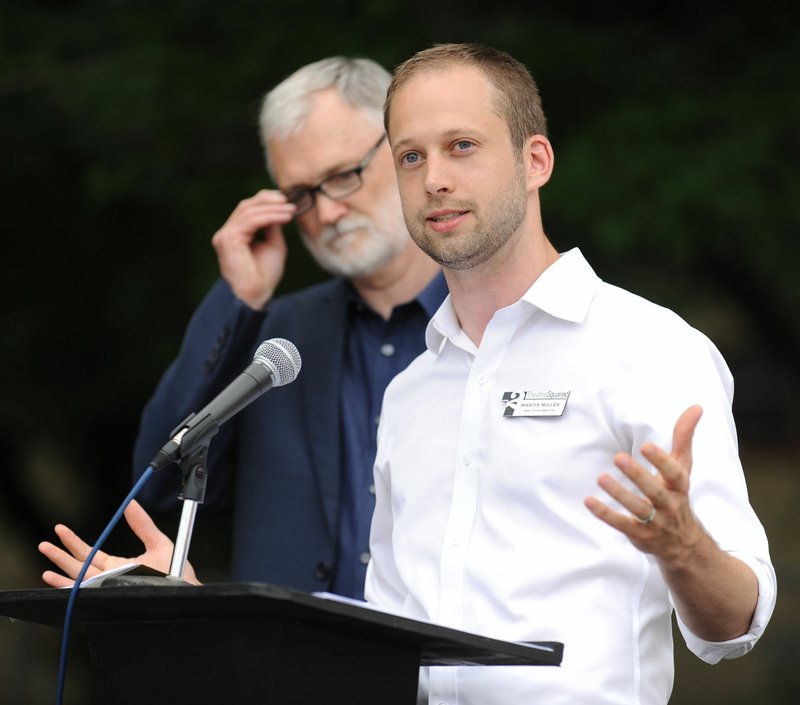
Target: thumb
(143,526)
(683,435)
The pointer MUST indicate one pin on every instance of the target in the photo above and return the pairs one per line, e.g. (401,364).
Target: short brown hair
(516,95)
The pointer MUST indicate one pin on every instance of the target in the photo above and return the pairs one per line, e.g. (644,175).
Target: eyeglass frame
(303,191)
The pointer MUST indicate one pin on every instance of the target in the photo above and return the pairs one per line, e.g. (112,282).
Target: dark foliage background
(127,135)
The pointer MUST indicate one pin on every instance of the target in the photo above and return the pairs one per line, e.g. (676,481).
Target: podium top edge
(439,645)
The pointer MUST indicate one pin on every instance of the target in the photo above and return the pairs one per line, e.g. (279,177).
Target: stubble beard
(466,250)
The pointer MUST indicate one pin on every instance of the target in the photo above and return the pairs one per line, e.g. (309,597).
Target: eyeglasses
(336,186)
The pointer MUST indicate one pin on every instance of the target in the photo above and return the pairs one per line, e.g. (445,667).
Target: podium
(251,643)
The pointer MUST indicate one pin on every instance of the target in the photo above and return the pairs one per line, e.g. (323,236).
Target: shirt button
(364,557)
(387,349)
(372,489)
(466,459)
(481,379)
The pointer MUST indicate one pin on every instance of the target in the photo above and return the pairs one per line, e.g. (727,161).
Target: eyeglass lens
(335,186)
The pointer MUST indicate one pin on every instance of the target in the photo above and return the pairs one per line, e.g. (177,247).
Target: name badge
(549,403)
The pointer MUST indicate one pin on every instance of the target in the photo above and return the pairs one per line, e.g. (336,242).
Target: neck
(479,292)
(398,282)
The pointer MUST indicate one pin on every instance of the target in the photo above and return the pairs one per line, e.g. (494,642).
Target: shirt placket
(443,684)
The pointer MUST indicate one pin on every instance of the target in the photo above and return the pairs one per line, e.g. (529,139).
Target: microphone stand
(193,491)
(193,443)
(189,452)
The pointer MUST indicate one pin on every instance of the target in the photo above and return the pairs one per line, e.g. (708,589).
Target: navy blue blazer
(280,459)
(285,446)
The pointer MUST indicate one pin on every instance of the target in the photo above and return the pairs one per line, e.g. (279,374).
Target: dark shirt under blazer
(281,460)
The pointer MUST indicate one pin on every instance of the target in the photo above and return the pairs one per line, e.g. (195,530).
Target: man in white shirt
(522,487)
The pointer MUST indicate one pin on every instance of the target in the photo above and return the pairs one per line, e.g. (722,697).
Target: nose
(329,211)
(437,178)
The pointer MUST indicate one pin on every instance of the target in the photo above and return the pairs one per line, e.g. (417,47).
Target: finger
(273,239)
(648,483)
(56,580)
(683,435)
(189,575)
(638,506)
(266,195)
(675,467)
(245,222)
(78,547)
(625,523)
(674,475)
(143,526)
(63,560)
(259,215)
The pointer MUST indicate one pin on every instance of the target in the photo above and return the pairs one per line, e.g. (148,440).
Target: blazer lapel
(326,341)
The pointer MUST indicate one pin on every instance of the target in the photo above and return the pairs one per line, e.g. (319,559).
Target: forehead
(441,100)
(335,135)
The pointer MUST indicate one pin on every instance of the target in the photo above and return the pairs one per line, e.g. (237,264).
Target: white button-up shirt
(480,523)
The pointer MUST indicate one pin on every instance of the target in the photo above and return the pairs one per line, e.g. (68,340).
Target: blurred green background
(127,135)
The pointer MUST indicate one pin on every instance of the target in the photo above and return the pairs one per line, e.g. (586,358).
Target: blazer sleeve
(218,344)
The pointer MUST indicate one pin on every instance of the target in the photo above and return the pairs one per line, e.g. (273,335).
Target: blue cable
(62,666)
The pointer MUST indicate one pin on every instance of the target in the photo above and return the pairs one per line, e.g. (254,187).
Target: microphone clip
(185,438)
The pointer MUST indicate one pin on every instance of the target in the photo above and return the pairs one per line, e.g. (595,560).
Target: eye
(463,145)
(410,159)
(342,178)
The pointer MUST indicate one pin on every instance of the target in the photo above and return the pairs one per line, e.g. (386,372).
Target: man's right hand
(251,248)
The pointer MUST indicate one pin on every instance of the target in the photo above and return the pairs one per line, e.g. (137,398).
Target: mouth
(445,220)
(339,235)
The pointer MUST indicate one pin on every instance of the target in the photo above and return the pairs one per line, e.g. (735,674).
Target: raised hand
(714,592)
(660,521)
(251,248)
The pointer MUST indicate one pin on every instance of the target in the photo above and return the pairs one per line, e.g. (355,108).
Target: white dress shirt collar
(564,290)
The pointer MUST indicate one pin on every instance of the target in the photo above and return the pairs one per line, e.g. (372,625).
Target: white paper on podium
(100,577)
(361,603)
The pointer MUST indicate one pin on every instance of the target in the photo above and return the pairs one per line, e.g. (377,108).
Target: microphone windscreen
(282,357)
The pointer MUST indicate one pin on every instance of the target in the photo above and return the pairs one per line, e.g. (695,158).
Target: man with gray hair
(297,463)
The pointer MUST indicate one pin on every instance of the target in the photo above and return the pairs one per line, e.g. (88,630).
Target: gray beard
(361,258)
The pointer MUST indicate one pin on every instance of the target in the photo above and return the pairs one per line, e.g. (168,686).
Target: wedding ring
(649,518)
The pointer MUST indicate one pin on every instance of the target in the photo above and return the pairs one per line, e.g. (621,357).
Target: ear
(539,159)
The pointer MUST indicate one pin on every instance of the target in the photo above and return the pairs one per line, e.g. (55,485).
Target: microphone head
(282,358)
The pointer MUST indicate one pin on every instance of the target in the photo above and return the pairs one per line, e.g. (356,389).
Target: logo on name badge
(549,403)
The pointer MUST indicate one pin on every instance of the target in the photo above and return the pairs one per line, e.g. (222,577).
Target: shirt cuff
(714,651)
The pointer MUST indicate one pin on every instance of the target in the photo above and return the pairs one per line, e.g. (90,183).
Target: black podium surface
(256,643)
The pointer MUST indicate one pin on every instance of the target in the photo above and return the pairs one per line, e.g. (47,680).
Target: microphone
(275,363)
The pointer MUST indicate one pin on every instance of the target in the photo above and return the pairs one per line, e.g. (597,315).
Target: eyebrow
(447,134)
